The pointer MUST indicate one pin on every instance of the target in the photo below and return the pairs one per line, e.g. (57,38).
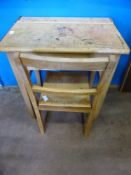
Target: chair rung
(65,109)
(40,89)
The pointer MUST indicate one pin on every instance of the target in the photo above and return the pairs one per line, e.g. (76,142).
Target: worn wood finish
(84,44)
(64,91)
(65,20)
(102,90)
(25,76)
(67,35)
(64,61)
(67,102)
(67,80)
(64,109)
(12,57)
(36,88)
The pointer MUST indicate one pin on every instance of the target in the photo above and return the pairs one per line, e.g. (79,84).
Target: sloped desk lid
(64,35)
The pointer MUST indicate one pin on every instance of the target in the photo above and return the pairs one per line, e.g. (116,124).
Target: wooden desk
(64,44)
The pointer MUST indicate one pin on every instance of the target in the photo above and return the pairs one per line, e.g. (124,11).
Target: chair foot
(42,132)
(88,125)
(85,132)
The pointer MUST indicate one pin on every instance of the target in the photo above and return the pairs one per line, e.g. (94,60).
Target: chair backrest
(64,61)
(83,62)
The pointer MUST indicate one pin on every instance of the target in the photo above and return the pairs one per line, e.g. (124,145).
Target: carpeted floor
(63,150)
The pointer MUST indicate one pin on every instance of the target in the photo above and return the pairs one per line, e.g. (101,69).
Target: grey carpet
(63,150)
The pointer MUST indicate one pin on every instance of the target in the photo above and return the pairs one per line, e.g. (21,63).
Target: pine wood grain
(64,61)
(12,57)
(70,35)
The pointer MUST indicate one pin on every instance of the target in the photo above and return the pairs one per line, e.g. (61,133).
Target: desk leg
(12,56)
(102,90)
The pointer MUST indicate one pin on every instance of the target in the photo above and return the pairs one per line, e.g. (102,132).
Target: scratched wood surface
(64,61)
(72,35)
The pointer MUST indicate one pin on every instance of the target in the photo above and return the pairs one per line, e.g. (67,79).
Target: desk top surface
(64,35)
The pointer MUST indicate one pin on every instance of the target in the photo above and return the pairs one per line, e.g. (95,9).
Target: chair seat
(66,80)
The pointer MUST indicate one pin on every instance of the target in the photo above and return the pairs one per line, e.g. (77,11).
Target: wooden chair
(71,89)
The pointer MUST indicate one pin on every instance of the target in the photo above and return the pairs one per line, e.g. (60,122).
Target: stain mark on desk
(57,39)
(64,31)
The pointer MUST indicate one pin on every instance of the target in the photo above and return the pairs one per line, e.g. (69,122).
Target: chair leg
(88,125)
(102,90)
(25,76)
(92,77)
(38,78)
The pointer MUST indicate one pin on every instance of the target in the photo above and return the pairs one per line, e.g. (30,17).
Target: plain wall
(118,10)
